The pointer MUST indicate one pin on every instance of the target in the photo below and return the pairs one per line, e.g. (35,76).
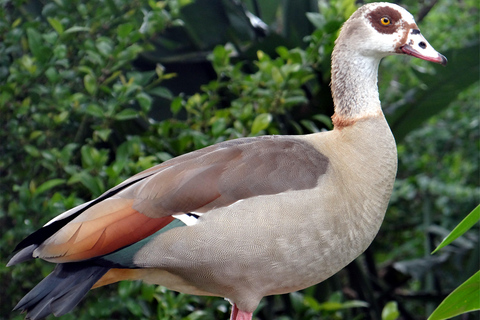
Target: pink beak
(417,46)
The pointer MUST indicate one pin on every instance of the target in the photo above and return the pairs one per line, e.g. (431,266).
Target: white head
(380,29)
(374,31)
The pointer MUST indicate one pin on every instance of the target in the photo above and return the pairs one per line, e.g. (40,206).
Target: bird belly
(245,254)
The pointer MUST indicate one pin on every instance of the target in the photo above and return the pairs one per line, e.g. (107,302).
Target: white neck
(354,84)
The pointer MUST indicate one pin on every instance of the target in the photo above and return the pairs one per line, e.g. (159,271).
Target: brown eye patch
(379,15)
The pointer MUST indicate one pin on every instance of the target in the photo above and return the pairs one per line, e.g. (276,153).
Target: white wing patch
(189,219)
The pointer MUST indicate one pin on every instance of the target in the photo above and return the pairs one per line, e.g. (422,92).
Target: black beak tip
(444,60)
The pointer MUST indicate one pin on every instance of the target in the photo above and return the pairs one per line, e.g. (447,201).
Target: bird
(249,217)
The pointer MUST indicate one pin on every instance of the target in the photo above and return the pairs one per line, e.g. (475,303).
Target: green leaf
(134,307)
(126,114)
(88,155)
(390,311)
(310,125)
(93,184)
(161,92)
(472,218)
(104,134)
(35,43)
(176,105)
(52,75)
(276,75)
(61,117)
(56,24)
(124,30)
(104,46)
(48,185)
(327,121)
(465,298)
(95,110)
(35,134)
(144,100)
(32,150)
(261,122)
(218,126)
(122,158)
(90,84)
(354,304)
(317,19)
(75,29)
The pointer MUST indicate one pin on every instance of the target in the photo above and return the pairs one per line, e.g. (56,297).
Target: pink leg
(239,314)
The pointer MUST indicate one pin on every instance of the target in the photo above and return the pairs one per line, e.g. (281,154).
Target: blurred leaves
(439,90)
(390,311)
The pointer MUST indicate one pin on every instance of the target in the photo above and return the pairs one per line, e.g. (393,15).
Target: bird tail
(61,290)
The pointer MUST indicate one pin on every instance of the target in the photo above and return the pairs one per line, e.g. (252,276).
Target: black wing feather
(61,290)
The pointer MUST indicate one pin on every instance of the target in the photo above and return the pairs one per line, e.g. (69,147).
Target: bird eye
(385,21)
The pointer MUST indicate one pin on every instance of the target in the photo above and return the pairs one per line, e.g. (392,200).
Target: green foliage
(461,71)
(467,223)
(462,300)
(466,297)
(390,311)
(91,93)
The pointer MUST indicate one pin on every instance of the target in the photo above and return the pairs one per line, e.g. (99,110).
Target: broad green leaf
(35,134)
(16,23)
(121,158)
(144,100)
(36,45)
(126,114)
(52,75)
(317,19)
(310,125)
(176,105)
(134,307)
(48,185)
(104,134)
(56,24)
(29,64)
(61,117)
(465,298)
(327,121)
(88,155)
(124,30)
(354,304)
(390,311)
(295,100)
(95,110)
(277,75)
(93,158)
(75,29)
(93,184)
(32,150)
(162,92)
(472,218)
(261,122)
(104,46)
(130,52)
(90,84)
(218,126)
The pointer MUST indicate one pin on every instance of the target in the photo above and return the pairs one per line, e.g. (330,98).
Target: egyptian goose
(249,217)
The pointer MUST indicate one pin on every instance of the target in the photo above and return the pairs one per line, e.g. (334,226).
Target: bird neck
(354,86)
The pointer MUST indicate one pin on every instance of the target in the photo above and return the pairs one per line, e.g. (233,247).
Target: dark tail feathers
(61,290)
